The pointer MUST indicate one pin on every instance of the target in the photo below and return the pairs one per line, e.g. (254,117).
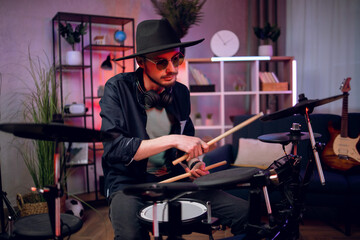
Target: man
(150,110)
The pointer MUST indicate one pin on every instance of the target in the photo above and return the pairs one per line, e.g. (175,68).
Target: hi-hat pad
(286,137)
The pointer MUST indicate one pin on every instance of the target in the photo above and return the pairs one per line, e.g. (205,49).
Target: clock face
(224,43)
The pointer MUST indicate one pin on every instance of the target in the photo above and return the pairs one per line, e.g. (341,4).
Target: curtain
(322,36)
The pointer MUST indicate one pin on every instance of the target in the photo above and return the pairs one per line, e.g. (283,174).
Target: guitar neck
(344,117)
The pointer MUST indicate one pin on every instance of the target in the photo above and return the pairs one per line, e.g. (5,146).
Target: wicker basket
(30,204)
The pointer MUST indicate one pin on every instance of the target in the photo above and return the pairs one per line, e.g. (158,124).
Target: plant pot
(73,58)
(265,50)
(209,122)
(31,204)
(198,122)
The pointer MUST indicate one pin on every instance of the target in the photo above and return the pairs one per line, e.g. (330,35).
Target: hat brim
(160,48)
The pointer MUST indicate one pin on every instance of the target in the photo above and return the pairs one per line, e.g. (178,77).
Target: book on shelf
(270,82)
(268,77)
(199,77)
(262,77)
(275,77)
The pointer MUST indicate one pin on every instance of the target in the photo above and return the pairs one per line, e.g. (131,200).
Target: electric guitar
(340,152)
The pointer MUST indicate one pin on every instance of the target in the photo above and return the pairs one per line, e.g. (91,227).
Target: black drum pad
(39,227)
(227,178)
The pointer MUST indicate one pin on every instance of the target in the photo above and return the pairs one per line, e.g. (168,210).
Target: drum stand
(284,221)
(284,224)
(60,224)
(174,213)
(40,226)
(170,194)
(6,231)
(174,220)
(175,226)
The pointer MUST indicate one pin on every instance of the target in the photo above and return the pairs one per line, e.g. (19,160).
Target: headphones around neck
(151,99)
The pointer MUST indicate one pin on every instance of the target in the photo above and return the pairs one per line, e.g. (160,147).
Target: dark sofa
(342,189)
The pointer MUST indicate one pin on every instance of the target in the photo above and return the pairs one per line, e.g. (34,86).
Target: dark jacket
(122,112)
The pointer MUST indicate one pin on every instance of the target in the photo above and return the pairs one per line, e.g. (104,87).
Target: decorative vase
(198,121)
(265,50)
(209,122)
(73,58)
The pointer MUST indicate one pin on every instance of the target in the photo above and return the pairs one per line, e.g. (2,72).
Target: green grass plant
(40,105)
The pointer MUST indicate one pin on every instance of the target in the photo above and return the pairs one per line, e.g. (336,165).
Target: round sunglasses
(162,64)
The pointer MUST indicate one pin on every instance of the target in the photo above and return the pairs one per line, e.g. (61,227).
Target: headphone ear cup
(151,99)
(165,99)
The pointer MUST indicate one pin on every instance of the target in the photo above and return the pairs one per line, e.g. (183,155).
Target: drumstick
(188,174)
(225,134)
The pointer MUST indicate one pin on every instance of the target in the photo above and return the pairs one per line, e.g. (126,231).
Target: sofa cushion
(220,154)
(254,153)
(319,124)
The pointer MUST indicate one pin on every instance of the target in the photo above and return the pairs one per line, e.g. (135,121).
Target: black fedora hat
(154,36)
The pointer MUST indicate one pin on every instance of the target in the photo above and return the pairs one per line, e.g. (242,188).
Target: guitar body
(340,153)
(347,147)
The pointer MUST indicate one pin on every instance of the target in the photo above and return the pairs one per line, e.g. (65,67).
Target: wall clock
(224,43)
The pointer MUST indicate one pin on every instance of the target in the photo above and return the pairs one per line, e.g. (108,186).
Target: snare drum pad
(190,211)
(226,178)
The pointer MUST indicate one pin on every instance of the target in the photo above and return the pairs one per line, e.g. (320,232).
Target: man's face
(158,74)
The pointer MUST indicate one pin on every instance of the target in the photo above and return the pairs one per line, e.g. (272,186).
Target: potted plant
(209,120)
(181,14)
(72,36)
(198,120)
(40,105)
(265,34)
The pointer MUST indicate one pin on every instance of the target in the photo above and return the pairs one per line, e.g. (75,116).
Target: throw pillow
(254,153)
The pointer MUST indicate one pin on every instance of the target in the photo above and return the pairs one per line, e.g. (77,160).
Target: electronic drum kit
(168,213)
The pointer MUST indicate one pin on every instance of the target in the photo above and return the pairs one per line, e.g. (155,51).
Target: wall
(27,25)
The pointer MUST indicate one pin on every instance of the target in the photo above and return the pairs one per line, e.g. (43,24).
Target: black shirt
(122,112)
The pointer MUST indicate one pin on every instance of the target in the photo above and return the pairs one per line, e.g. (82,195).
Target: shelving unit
(238,89)
(79,83)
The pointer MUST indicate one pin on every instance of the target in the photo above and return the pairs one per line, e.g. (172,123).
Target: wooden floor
(97,226)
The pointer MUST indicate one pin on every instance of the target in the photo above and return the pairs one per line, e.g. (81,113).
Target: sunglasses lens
(162,64)
(177,60)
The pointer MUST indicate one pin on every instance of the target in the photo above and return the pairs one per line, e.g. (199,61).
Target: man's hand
(193,146)
(197,171)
